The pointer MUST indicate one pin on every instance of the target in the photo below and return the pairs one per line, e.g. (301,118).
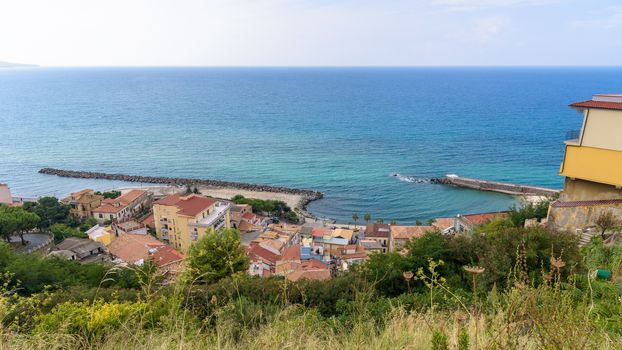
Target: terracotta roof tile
(131,248)
(165,255)
(257,252)
(377,230)
(482,218)
(443,223)
(408,232)
(314,275)
(597,104)
(292,253)
(189,206)
(560,204)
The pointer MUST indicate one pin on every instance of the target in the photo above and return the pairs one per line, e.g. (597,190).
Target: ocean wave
(409,178)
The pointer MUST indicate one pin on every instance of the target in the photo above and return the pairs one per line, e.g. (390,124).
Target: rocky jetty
(308,195)
(440,181)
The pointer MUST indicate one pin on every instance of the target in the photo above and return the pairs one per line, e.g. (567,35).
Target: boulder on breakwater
(308,195)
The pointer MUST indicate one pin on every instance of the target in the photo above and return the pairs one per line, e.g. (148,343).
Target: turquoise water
(341,131)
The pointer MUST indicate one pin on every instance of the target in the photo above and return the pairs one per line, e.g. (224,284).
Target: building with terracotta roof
(400,235)
(466,223)
(380,233)
(312,270)
(137,249)
(445,225)
(592,165)
(83,202)
(263,259)
(123,207)
(182,220)
(351,254)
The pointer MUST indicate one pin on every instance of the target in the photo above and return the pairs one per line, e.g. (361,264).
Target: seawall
(308,195)
(501,187)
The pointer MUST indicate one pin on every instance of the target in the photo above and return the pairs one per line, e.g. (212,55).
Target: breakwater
(307,195)
(501,187)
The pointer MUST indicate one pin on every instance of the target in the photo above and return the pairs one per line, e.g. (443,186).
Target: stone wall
(578,217)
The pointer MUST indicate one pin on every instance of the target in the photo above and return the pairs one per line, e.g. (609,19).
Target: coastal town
(141,225)
(160,224)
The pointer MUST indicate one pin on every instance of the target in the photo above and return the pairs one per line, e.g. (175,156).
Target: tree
(62,231)
(51,211)
(418,222)
(8,223)
(380,220)
(606,221)
(109,194)
(216,255)
(430,222)
(367,218)
(393,222)
(16,220)
(355,218)
(26,221)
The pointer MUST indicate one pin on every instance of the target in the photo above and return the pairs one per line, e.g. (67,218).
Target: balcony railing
(573,135)
(163,230)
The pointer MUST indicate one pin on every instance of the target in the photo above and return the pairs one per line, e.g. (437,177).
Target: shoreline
(296,198)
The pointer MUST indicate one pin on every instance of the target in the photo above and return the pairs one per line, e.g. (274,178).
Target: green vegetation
(538,210)
(510,288)
(269,207)
(62,231)
(50,211)
(16,220)
(215,256)
(109,194)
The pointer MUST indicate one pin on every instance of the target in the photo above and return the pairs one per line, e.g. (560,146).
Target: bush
(62,231)
(216,255)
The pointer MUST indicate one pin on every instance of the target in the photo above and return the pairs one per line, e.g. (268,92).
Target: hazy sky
(311,32)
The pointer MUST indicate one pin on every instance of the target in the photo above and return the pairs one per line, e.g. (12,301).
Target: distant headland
(15,65)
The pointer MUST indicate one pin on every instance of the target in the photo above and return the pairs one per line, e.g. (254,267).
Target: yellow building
(592,165)
(83,202)
(182,220)
(104,235)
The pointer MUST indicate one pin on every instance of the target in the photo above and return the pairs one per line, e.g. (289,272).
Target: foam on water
(335,130)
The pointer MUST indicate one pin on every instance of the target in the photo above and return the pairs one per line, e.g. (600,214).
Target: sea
(368,138)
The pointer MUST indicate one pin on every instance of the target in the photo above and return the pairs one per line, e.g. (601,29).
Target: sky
(311,32)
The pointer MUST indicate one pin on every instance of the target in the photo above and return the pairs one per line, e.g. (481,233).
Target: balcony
(214,219)
(573,137)
(164,221)
(163,230)
(593,164)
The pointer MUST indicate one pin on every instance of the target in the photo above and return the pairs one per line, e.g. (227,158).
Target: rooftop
(117,204)
(482,218)
(408,232)
(132,248)
(191,205)
(217,213)
(601,101)
(377,230)
(165,255)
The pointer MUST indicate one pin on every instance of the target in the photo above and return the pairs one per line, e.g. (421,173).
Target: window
(101,216)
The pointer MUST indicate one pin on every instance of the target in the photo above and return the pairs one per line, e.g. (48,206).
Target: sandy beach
(293,200)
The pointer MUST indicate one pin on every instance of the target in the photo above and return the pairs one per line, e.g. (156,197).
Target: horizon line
(324,66)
